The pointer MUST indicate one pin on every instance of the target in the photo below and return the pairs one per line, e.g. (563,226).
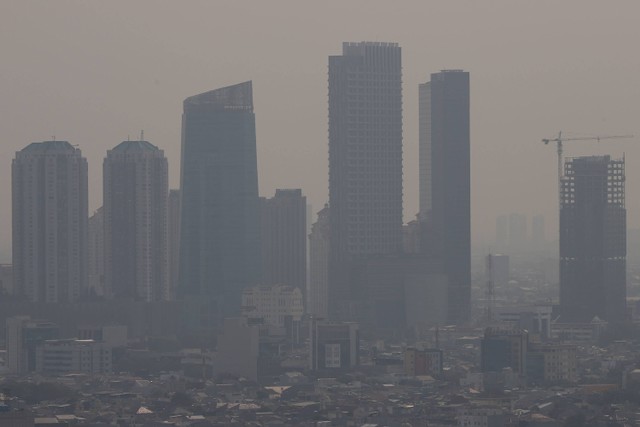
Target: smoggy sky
(95,72)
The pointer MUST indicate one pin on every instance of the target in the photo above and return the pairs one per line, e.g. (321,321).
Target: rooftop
(235,97)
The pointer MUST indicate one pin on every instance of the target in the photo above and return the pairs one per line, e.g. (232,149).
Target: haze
(94,73)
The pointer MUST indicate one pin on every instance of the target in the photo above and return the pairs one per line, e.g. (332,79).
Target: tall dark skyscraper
(365,157)
(220,218)
(284,239)
(445,181)
(136,187)
(593,247)
(50,215)
(173,239)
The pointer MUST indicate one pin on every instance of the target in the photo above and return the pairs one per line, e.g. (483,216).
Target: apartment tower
(50,215)
(136,186)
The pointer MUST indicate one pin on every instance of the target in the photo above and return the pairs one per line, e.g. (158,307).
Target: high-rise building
(517,232)
(96,253)
(504,347)
(319,265)
(537,232)
(593,248)
(445,181)
(502,232)
(219,215)
(284,239)
(173,240)
(50,215)
(333,345)
(136,186)
(365,158)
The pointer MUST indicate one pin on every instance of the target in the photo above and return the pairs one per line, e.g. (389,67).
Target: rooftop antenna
(128,138)
(141,135)
(53,137)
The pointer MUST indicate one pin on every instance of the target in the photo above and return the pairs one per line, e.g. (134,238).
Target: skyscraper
(365,157)
(284,239)
(50,213)
(445,181)
(174,240)
(517,232)
(319,265)
(537,232)
(95,253)
(593,225)
(220,218)
(136,186)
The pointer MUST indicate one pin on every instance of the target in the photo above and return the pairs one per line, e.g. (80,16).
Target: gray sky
(95,72)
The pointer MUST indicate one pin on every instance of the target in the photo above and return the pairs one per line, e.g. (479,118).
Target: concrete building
(238,349)
(334,345)
(23,336)
(444,153)
(111,335)
(274,304)
(219,215)
(319,247)
(552,363)
(504,348)
(59,357)
(284,239)
(6,279)
(173,238)
(422,362)
(136,186)
(50,215)
(365,159)
(536,319)
(96,253)
(593,247)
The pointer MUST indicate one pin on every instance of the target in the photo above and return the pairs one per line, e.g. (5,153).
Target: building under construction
(593,239)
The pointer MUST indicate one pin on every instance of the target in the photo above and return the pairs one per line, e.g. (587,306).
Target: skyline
(542,79)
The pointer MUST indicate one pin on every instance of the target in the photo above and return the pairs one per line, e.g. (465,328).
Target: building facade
(96,253)
(173,247)
(59,357)
(319,246)
(136,186)
(444,154)
(23,336)
(220,218)
(334,345)
(284,240)
(593,247)
(365,159)
(274,304)
(50,215)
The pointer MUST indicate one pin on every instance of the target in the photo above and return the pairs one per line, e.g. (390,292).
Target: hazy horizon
(95,73)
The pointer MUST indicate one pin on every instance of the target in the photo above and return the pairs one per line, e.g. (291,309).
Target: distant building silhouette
(593,247)
(319,265)
(517,232)
(50,214)
(173,240)
(365,159)
(502,232)
(96,253)
(219,215)
(136,186)
(538,239)
(445,181)
(284,239)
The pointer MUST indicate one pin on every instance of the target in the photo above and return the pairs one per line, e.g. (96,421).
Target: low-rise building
(552,363)
(72,356)
(422,362)
(273,304)
(334,345)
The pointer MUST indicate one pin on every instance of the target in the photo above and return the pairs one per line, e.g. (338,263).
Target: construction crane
(560,139)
